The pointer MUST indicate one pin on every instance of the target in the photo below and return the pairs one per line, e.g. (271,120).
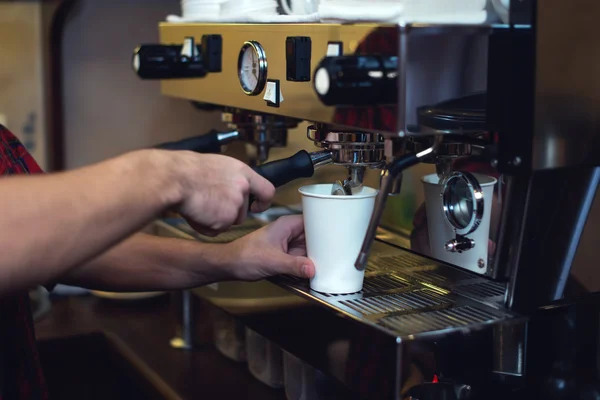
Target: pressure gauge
(252,68)
(463,202)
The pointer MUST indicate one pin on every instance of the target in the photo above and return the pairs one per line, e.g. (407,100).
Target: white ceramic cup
(240,7)
(299,7)
(440,230)
(335,227)
(206,8)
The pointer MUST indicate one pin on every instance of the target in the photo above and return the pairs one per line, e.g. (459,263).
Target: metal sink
(98,366)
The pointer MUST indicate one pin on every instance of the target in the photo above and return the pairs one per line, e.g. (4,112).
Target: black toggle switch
(212,50)
(297,55)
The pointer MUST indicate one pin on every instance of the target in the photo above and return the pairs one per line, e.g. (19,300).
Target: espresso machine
(482,302)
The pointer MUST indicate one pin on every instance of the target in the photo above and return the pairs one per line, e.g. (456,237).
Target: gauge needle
(254,66)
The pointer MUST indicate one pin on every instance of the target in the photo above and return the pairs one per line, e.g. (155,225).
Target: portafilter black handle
(210,142)
(280,172)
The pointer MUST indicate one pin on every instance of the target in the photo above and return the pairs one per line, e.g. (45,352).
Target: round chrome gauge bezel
(261,67)
(476,196)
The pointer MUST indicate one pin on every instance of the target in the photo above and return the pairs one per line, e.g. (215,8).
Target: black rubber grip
(286,170)
(207,143)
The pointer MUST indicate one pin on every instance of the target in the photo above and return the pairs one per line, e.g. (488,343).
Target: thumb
(301,267)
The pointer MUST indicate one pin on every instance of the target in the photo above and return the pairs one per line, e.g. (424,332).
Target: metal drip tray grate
(395,303)
(381,283)
(429,272)
(482,289)
(437,320)
(405,294)
(378,284)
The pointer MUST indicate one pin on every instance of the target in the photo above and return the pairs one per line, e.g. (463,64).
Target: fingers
(301,267)
(262,189)
(242,212)
(203,230)
(297,251)
(255,207)
(294,224)
(308,269)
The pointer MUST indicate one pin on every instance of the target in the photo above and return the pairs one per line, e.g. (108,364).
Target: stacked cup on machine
(232,8)
(205,9)
(214,10)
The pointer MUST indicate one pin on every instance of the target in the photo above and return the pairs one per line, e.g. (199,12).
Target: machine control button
(212,50)
(335,49)
(273,95)
(357,80)
(322,81)
(169,61)
(189,48)
(297,55)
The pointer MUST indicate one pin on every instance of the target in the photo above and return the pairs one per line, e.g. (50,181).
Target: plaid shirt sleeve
(23,378)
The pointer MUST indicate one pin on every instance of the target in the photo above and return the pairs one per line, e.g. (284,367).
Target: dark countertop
(145,327)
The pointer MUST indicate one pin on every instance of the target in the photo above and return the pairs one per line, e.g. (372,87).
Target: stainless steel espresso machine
(482,303)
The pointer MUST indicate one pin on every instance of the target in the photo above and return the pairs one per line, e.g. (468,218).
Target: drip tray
(403,293)
(406,294)
(415,319)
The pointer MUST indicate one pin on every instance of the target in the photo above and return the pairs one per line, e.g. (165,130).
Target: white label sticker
(334,49)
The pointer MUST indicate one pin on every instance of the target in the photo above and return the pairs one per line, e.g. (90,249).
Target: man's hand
(216,189)
(146,262)
(278,248)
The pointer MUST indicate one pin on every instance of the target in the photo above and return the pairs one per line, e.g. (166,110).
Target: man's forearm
(145,262)
(53,223)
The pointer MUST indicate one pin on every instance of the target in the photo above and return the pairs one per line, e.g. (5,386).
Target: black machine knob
(357,80)
(152,61)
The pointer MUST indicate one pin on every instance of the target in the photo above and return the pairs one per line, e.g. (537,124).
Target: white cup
(335,227)
(299,7)
(206,8)
(440,230)
(240,7)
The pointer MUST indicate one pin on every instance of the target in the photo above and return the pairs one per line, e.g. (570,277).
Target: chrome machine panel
(425,65)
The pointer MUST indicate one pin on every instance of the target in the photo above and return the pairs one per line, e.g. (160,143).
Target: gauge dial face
(252,68)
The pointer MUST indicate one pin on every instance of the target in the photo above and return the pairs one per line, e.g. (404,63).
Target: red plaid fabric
(23,377)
